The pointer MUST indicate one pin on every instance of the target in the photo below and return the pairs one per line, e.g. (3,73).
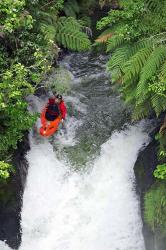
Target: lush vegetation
(31,33)
(135,37)
(133,33)
(138,62)
(155,212)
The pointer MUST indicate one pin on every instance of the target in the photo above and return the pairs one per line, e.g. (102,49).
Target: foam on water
(64,210)
(95,210)
(4,246)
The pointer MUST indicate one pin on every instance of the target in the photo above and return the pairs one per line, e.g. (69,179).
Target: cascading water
(80,191)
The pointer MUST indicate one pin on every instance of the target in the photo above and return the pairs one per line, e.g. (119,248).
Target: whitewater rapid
(99,210)
(94,207)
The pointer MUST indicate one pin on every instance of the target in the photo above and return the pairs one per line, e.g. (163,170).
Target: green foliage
(5,170)
(30,33)
(71,8)
(138,44)
(69,34)
(136,40)
(65,31)
(160,172)
(14,117)
(155,208)
(14,16)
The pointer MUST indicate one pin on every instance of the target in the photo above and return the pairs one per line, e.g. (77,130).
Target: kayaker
(52,110)
(62,106)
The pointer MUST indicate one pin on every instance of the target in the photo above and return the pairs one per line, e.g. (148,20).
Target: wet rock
(11,197)
(144,167)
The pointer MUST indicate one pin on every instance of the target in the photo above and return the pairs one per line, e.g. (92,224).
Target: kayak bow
(48,128)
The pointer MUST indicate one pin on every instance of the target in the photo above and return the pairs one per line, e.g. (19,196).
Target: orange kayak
(48,128)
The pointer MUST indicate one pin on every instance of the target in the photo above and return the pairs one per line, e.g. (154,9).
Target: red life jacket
(53,110)
(63,109)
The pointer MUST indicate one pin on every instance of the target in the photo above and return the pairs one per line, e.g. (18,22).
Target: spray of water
(64,210)
(95,210)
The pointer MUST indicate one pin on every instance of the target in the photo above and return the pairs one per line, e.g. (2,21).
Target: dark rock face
(144,167)
(11,197)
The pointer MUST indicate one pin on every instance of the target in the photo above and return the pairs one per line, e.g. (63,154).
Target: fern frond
(158,103)
(71,8)
(129,93)
(69,34)
(116,75)
(75,5)
(142,92)
(163,71)
(153,63)
(143,43)
(69,11)
(45,16)
(133,66)
(154,5)
(142,110)
(115,42)
(49,31)
(120,56)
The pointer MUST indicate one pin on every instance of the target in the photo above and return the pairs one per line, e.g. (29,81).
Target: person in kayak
(52,110)
(62,106)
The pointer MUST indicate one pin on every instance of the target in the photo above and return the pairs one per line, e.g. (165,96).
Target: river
(80,192)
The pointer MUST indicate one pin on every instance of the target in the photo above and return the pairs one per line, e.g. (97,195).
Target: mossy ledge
(11,194)
(145,183)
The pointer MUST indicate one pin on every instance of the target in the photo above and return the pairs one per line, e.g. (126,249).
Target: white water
(63,210)
(67,210)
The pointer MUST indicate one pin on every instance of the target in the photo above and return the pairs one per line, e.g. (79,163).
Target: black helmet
(59,97)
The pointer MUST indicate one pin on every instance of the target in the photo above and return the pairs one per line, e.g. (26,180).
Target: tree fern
(153,63)
(142,110)
(154,5)
(119,57)
(123,54)
(116,75)
(49,31)
(133,67)
(128,91)
(163,70)
(138,53)
(115,42)
(158,103)
(71,8)
(69,34)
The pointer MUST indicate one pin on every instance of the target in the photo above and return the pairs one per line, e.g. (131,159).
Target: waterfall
(95,210)
(95,206)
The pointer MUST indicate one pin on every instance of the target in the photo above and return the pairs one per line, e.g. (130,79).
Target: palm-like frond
(158,103)
(138,60)
(163,70)
(49,31)
(69,34)
(71,8)
(119,57)
(115,42)
(153,63)
(132,67)
(128,91)
(142,110)
(153,5)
